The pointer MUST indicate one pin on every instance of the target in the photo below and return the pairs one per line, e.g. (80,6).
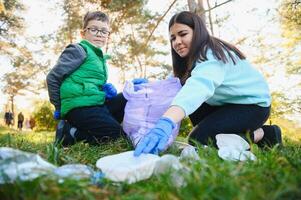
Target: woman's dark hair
(201,42)
(96,15)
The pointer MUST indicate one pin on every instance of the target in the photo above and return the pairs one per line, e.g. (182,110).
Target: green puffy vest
(83,87)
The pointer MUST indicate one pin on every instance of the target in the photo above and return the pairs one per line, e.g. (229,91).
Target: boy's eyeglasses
(95,31)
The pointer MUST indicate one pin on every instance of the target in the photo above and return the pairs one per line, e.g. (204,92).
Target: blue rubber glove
(156,140)
(137,81)
(110,90)
(57,114)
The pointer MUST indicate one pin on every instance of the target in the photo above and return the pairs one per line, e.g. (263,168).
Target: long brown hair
(202,41)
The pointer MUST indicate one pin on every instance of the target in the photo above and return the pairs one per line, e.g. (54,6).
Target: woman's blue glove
(57,114)
(137,81)
(156,140)
(110,90)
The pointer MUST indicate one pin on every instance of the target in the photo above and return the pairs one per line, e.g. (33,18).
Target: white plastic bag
(20,165)
(76,171)
(233,147)
(23,166)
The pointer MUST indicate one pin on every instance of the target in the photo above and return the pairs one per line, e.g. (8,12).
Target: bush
(44,118)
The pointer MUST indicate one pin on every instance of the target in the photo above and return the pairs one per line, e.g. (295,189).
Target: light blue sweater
(217,83)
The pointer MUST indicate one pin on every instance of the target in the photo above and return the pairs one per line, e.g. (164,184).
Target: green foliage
(290,18)
(275,175)
(131,26)
(185,128)
(43,116)
(281,105)
(290,13)
(10,20)
(69,30)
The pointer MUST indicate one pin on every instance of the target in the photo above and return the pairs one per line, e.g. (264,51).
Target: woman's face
(181,37)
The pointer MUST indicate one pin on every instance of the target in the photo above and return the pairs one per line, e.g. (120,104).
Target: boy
(78,88)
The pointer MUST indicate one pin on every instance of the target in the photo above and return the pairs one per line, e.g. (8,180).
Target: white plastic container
(126,167)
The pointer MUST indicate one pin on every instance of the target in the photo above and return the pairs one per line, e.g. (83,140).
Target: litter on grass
(17,165)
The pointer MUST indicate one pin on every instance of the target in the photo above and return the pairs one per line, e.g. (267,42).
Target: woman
(221,93)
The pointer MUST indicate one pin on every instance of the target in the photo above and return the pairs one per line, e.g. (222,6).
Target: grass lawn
(276,174)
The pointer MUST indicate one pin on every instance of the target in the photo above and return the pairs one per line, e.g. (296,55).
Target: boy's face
(97,32)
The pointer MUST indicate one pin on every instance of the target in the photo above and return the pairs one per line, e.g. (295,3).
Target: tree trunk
(210,17)
(197,7)
(12,107)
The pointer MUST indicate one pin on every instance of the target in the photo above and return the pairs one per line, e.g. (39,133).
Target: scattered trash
(76,171)
(233,147)
(126,167)
(189,153)
(98,178)
(19,165)
(123,167)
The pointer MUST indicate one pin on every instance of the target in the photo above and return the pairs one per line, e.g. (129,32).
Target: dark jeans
(98,123)
(20,124)
(208,121)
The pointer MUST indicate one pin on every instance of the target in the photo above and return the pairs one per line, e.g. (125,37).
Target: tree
(22,76)
(43,116)
(290,18)
(130,27)
(14,85)
(11,27)
(11,24)
(199,8)
(72,22)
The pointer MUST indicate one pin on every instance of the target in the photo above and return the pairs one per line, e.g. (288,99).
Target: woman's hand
(155,141)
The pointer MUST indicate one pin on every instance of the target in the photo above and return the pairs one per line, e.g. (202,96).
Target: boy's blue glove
(110,90)
(57,114)
(137,81)
(155,141)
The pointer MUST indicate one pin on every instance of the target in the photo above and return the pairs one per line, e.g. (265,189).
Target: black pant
(98,123)
(208,121)
(20,124)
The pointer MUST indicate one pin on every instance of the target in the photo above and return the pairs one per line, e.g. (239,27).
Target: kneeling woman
(222,92)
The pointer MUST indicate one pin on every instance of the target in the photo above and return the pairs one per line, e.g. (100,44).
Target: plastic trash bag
(189,153)
(170,163)
(233,147)
(167,162)
(76,171)
(20,165)
(146,103)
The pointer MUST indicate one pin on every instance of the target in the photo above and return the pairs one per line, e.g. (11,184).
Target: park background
(33,33)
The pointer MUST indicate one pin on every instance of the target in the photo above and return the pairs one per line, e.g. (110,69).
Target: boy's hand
(110,90)
(155,141)
(137,81)
(57,114)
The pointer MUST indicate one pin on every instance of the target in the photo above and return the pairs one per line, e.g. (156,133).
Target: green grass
(275,175)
